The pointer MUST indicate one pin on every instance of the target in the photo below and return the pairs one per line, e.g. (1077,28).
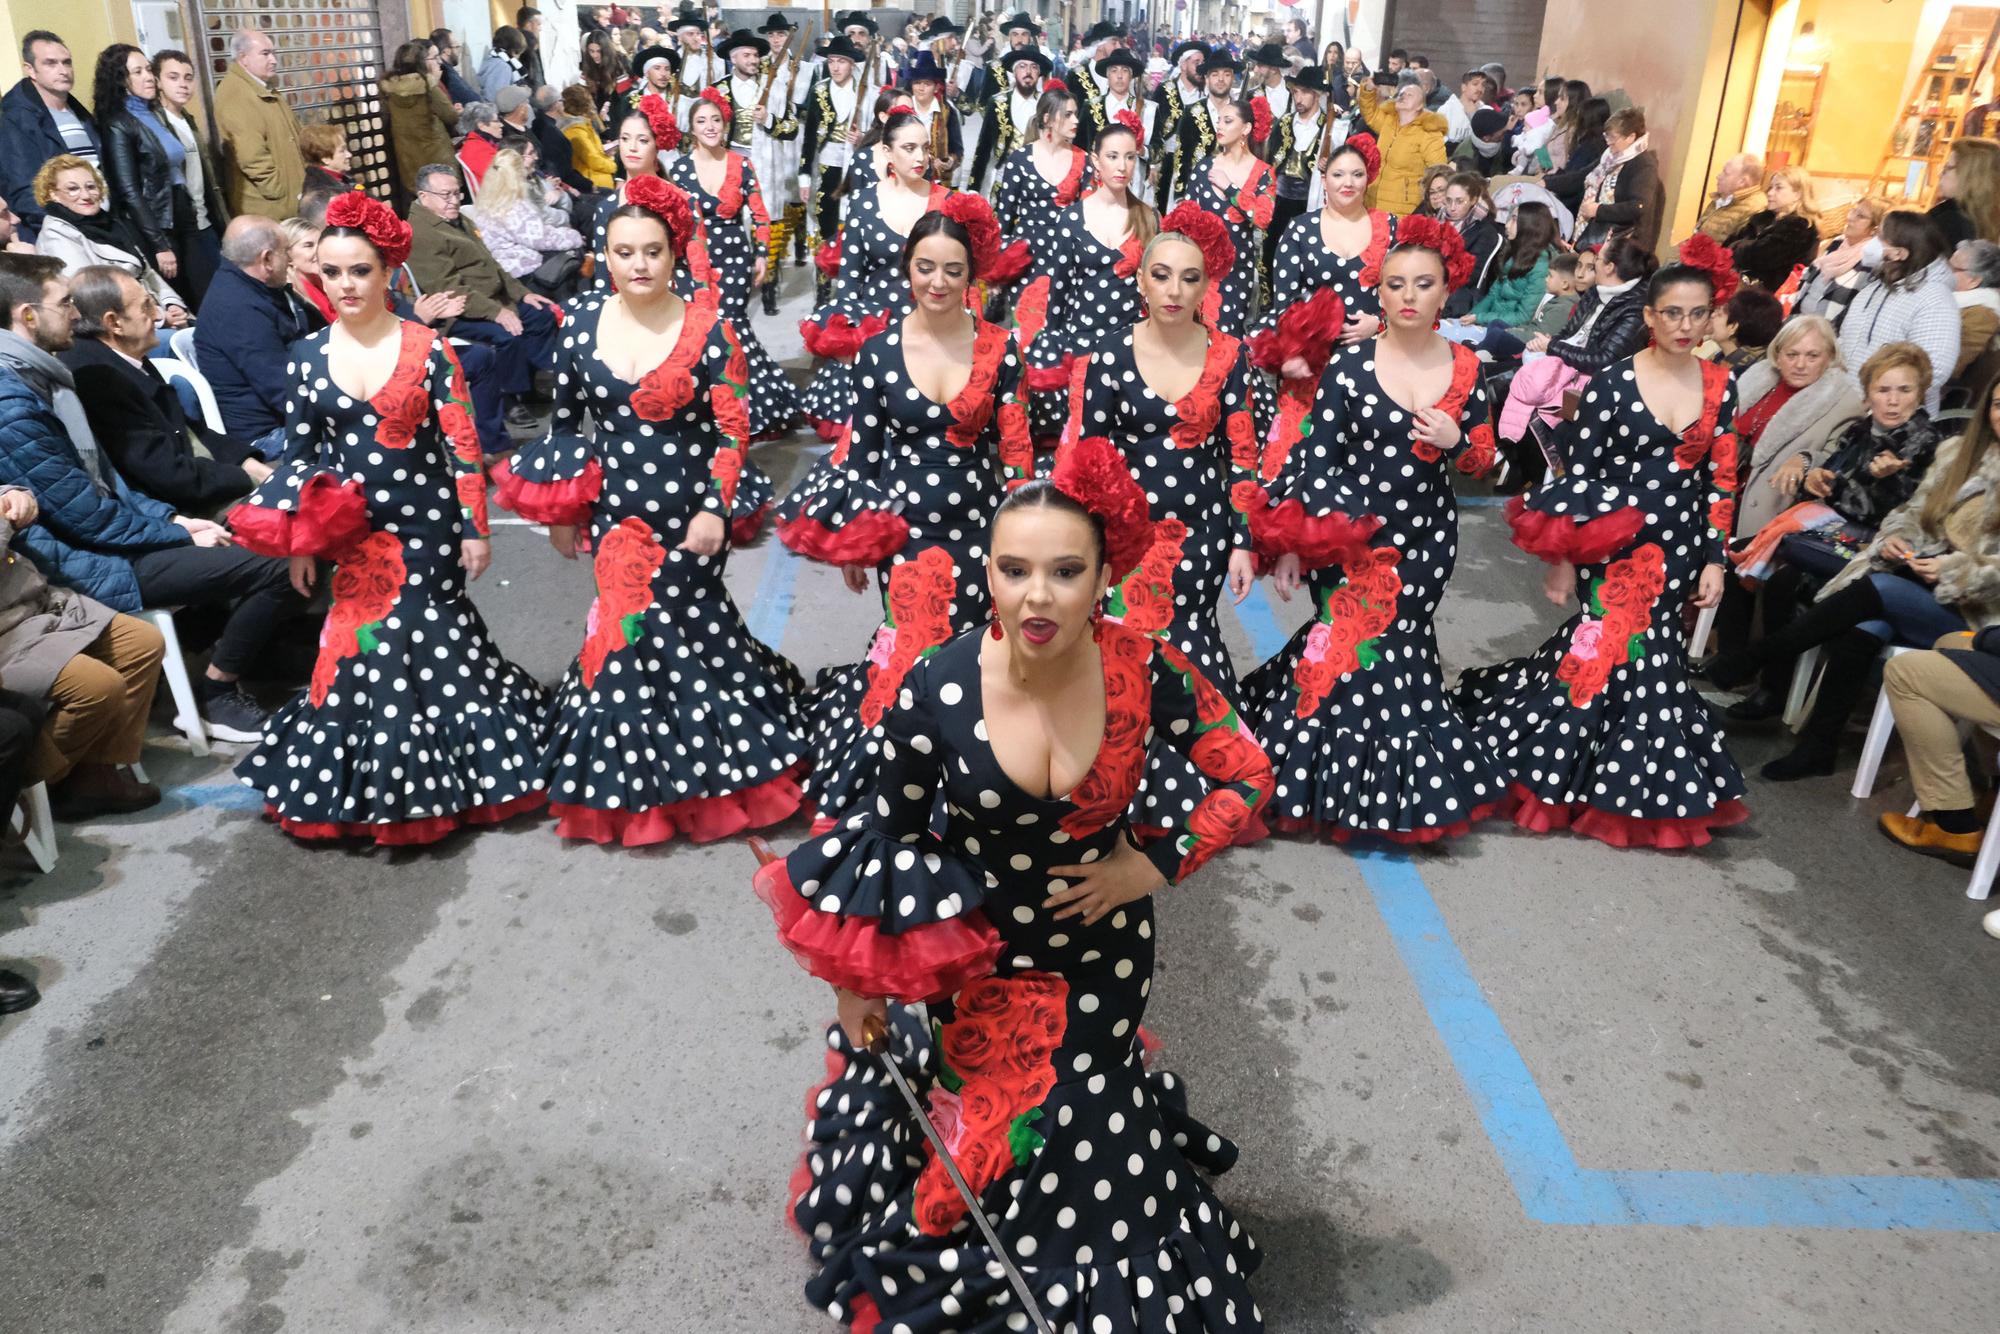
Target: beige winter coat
(1969,578)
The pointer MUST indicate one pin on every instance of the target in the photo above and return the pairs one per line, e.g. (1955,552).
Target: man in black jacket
(135,414)
(39,119)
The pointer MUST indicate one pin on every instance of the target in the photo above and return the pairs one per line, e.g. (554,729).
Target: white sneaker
(1992,923)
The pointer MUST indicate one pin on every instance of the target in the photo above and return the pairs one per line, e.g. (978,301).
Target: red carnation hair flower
(902,109)
(1371,152)
(713,96)
(1130,120)
(1095,475)
(973,213)
(667,202)
(1441,239)
(1260,119)
(1704,252)
(1209,233)
(660,116)
(389,233)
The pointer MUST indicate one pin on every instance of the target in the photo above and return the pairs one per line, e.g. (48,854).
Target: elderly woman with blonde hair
(1782,235)
(81,230)
(527,237)
(1790,408)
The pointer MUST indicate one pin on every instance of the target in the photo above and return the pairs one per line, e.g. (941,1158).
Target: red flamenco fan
(389,233)
(1209,234)
(1094,474)
(660,117)
(1307,330)
(1441,239)
(1704,252)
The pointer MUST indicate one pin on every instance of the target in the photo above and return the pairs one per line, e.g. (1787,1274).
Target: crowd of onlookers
(148,268)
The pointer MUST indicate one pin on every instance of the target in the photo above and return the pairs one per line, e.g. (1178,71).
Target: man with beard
(1102,39)
(658,69)
(1296,140)
(1008,113)
(1197,128)
(1177,92)
(863,33)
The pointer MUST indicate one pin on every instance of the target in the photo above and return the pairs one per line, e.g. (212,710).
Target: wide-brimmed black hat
(689,16)
(1009,59)
(1270,54)
(1312,78)
(942,26)
(838,47)
(777,23)
(1182,50)
(740,38)
(923,67)
(652,53)
(1100,30)
(1220,58)
(1021,20)
(855,18)
(1122,56)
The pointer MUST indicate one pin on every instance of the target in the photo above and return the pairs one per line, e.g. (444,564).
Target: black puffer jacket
(140,177)
(1618,333)
(1769,245)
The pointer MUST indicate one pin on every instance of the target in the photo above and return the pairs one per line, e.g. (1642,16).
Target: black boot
(1848,663)
(17,993)
(770,290)
(1825,620)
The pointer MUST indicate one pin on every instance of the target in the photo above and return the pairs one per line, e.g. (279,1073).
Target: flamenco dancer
(1011,957)
(939,433)
(1169,394)
(1046,174)
(1086,281)
(1600,730)
(1239,187)
(721,183)
(646,135)
(667,672)
(413,724)
(1353,711)
(871,290)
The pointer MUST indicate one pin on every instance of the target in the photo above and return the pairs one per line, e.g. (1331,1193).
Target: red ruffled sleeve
(329,517)
(1558,537)
(919,964)
(565,502)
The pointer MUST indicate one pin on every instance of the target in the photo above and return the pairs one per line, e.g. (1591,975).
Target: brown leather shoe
(92,790)
(1921,835)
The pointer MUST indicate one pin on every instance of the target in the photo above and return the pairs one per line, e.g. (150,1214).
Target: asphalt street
(1513,1083)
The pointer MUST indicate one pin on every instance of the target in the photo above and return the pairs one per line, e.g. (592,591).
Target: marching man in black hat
(1119,75)
(1266,78)
(1177,92)
(1197,131)
(657,69)
(1020,32)
(877,69)
(700,66)
(939,116)
(1298,145)
(1008,113)
(965,84)
(1102,39)
(788,73)
(835,119)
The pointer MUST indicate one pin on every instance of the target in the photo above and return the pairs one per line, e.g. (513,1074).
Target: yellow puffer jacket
(588,155)
(1407,151)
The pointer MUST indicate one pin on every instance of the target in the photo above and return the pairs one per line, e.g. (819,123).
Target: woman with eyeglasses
(1600,730)
(81,231)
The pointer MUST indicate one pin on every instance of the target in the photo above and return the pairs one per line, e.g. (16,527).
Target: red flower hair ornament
(1704,252)
(1094,474)
(1130,120)
(667,202)
(713,96)
(388,233)
(660,117)
(1209,233)
(1371,152)
(902,109)
(973,213)
(1441,239)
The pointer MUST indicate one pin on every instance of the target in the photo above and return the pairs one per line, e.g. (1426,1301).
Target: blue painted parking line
(771,605)
(1552,1186)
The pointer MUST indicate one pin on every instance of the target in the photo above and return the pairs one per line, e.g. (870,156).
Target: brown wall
(1459,35)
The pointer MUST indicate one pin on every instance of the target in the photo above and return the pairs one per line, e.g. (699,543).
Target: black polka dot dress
(413,724)
(1600,729)
(1247,212)
(1078,291)
(911,490)
(674,721)
(1305,264)
(1026,202)
(1353,710)
(738,229)
(1021,1031)
(870,294)
(1187,454)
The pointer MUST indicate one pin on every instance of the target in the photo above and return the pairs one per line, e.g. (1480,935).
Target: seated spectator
(1975,274)
(420,113)
(447,255)
(20,720)
(502,67)
(259,134)
(1469,209)
(328,159)
(84,673)
(579,124)
(1847,262)
(99,536)
(1739,196)
(527,237)
(1932,568)
(1790,409)
(79,231)
(1968,192)
(1781,236)
(552,147)
(1934,693)
(480,124)
(1520,282)
(134,415)
(1567,182)
(41,119)
(1437,179)
(1608,325)
(303,289)
(249,321)
(10,239)
(1744,327)
(1624,195)
(1909,299)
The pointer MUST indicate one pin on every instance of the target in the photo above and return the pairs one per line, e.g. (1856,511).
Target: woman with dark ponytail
(1240,188)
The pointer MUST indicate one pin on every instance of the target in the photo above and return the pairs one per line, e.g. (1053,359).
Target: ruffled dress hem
(410,833)
(1537,816)
(698,819)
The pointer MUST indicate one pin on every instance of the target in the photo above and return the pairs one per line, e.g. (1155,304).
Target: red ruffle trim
(743,531)
(840,338)
(1536,816)
(1008,265)
(921,964)
(1556,537)
(1307,330)
(827,259)
(1405,837)
(830,432)
(869,538)
(1050,379)
(698,819)
(567,502)
(1318,540)
(330,517)
(411,833)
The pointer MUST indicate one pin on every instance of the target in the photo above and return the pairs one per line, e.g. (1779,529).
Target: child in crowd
(1560,290)
(1743,328)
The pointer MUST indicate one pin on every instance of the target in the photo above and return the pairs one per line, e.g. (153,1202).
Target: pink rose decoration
(1585,642)
(1318,640)
(882,647)
(948,1116)
(590,625)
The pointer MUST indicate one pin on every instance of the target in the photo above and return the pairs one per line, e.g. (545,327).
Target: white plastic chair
(174,667)
(182,342)
(174,369)
(1804,675)
(1881,726)
(37,826)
